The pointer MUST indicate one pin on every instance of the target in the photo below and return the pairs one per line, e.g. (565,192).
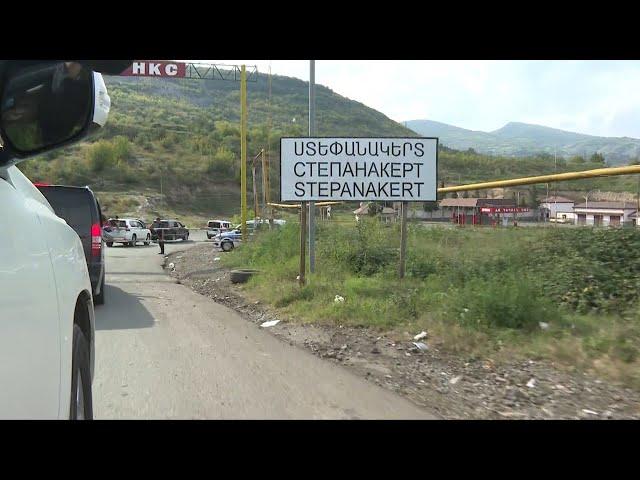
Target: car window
(72,205)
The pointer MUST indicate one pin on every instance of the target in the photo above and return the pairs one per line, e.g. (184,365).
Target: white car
(227,241)
(128,231)
(47,332)
(214,227)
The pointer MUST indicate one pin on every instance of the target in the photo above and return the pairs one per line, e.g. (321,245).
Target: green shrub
(512,302)
(222,162)
(121,149)
(366,249)
(100,155)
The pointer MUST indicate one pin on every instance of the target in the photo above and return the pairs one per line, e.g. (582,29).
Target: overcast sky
(593,97)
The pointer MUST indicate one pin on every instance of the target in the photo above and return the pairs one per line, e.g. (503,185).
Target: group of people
(160,231)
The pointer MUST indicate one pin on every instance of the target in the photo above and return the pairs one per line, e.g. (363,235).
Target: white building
(557,209)
(605,213)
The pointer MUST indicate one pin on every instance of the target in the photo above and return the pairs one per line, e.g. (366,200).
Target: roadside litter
(420,336)
(338,299)
(216,259)
(421,346)
(270,323)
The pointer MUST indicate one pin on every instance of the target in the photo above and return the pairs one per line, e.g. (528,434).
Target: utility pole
(243,152)
(312,133)
(269,155)
(264,184)
(255,191)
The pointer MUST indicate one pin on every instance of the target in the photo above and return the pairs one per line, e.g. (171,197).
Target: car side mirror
(46,105)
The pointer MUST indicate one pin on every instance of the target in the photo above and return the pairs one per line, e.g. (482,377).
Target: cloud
(593,97)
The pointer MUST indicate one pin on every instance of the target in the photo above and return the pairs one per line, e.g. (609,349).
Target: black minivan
(79,207)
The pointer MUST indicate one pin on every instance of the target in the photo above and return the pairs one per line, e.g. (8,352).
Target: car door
(135,229)
(29,314)
(143,230)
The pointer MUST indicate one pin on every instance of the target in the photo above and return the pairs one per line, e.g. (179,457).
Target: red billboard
(153,68)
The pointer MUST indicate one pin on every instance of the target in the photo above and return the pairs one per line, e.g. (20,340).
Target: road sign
(156,69)
(351,169)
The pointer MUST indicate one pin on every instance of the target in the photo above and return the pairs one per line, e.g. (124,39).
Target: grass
(479,291)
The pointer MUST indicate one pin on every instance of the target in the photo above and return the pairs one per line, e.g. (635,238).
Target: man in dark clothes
(160,236)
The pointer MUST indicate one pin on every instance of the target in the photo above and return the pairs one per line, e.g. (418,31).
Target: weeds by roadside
(568,295)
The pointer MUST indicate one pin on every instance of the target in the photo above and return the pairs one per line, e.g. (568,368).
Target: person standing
(160,236)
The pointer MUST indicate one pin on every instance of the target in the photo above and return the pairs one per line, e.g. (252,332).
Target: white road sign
(339,168)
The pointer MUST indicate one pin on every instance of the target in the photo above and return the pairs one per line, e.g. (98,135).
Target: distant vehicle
(214,227)
(251,224)
(562,219)
(172,229)
(227,241)
(79,207)
(128,231)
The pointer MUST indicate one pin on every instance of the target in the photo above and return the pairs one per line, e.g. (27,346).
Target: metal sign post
(390,169)
(403,239)
(303,242)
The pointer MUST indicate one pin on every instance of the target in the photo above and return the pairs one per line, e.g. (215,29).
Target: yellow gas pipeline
(297,205)
(556,177)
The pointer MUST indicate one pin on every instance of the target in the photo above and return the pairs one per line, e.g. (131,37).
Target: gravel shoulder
(450,385)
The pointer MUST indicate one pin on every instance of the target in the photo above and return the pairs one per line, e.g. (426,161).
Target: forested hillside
(174,145)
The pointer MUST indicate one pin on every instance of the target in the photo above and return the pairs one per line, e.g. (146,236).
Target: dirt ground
(451,385)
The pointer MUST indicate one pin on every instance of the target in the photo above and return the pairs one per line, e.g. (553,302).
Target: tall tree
(597,158)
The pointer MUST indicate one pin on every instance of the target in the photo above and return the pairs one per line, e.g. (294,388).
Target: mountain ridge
(520,139)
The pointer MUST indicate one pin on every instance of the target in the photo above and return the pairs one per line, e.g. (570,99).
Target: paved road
(165,352)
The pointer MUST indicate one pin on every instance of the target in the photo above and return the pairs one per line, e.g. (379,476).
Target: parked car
(214,227)
(227,241)
(79,207)
(128,231)
(172,229)
(263,222)
(47,315)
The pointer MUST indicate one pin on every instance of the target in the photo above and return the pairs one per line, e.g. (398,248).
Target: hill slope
(172,147)
(181,138)
(522,139)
